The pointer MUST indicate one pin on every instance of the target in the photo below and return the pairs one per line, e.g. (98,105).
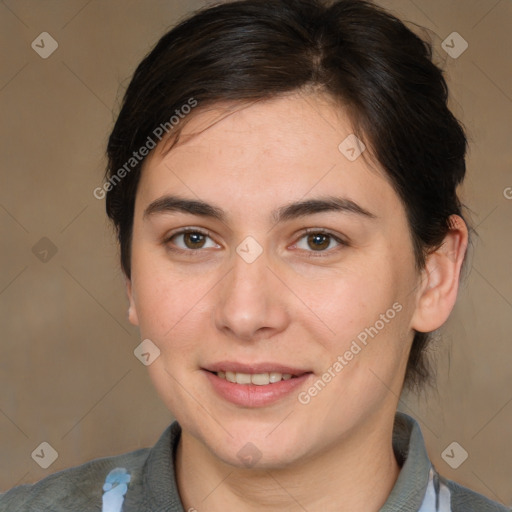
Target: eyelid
(191,229)
(182,231)
(188,229)
(323,231)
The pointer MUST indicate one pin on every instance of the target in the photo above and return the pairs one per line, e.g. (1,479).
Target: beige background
(69,376)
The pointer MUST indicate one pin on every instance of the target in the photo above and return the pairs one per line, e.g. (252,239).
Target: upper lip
(252,368)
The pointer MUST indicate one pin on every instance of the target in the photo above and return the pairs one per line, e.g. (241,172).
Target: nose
(251,302)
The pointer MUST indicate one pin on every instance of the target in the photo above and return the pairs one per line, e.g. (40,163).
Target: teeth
(243,378)
(274,377)
(259,379)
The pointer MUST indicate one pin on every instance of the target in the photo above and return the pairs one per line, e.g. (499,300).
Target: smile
(258,379)
(255,385)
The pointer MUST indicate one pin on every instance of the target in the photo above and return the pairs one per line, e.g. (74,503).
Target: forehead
(269,151)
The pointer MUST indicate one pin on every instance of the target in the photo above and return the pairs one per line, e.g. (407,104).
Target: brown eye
(194,240)
(191,240)
(319,241)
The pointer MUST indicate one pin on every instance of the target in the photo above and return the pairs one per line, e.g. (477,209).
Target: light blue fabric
(437,497)
(145,481)
(115,487)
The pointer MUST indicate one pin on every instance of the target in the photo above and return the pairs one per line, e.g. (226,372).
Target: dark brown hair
(359,54)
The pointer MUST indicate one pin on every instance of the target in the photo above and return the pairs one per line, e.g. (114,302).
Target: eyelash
(320,231)
(312,254)
(188,252)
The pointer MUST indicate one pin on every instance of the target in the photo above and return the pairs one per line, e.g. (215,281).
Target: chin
(252,457)
(256,448)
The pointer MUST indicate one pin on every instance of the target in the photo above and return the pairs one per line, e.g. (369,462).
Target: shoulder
(79,488)
(420,487)
(466,500)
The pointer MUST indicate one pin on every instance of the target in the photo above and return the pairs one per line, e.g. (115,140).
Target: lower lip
(250,395)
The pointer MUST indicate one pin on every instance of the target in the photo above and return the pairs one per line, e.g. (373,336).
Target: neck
(356,474)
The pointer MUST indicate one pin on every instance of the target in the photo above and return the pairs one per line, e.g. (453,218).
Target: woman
(282,176)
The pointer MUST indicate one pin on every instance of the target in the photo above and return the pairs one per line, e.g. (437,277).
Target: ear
(132,310)
(440,279)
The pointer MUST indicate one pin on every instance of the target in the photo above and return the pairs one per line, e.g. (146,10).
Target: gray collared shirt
(145,481)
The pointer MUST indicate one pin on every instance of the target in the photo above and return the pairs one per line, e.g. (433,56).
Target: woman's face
(298,261)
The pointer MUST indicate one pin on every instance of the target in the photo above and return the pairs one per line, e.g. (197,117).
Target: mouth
(255,385)
(259,374)
(258,379)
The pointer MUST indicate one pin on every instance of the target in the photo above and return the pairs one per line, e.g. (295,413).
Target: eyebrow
(171,203)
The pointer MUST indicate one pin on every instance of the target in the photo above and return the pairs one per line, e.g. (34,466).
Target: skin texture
(294,305)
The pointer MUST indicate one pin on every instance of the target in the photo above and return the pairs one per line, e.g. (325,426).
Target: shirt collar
(406,496)
(409,490)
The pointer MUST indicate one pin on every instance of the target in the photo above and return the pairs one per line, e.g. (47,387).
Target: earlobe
(132,310)
(440,279)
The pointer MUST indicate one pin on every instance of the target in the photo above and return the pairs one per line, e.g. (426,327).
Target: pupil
(318,241)
(194,240)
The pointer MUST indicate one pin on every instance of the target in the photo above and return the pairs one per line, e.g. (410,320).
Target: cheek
(348,301)
(367,318)
(172,308)
(160,301)
(172,315)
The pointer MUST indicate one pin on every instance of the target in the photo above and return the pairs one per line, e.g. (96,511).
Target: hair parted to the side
(357,53)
